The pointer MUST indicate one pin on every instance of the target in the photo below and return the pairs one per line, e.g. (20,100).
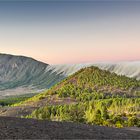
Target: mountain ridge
(27,75)
(130,69)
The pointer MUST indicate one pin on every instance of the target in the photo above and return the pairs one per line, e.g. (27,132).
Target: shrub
(133,121)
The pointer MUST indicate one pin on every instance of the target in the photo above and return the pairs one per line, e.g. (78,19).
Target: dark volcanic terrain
(16,128)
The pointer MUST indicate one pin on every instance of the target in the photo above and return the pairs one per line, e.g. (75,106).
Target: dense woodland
(103,98)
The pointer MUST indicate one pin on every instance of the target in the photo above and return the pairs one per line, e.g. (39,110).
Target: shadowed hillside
(19,71)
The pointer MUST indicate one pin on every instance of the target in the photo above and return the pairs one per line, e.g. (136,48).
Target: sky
(67,31)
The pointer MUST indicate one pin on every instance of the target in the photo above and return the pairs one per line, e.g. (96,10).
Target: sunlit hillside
(95,97)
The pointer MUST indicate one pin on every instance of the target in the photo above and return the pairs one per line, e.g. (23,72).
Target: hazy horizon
(71,32)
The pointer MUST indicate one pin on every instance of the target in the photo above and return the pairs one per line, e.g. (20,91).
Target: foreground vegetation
(103,98)
(117,112)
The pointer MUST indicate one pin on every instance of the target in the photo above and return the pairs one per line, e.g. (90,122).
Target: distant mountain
(130,69)
(20,71)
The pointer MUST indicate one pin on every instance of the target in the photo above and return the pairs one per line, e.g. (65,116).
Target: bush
(133,121)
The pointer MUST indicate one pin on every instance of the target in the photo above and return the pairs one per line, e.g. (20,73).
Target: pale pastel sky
(71,32)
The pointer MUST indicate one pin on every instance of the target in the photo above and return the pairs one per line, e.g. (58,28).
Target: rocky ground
(17,128)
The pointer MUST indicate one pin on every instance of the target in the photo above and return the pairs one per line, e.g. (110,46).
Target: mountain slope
(100,98)
(19,71)
(94,82)
(92,79)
